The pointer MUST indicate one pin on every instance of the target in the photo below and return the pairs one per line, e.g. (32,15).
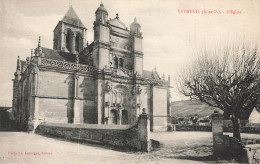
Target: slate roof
(62,56)
(72,18)
(148,74)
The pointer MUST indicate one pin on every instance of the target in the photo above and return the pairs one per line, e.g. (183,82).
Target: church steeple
(69,34)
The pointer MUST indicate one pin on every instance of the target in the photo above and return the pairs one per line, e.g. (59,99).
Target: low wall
(135,137)
(246,129)
(193,128)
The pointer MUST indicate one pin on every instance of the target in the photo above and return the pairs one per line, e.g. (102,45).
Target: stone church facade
(98,83)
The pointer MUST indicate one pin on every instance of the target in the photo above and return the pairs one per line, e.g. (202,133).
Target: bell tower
(101,38)
(69,34)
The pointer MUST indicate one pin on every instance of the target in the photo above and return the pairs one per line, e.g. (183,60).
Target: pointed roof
(72,18)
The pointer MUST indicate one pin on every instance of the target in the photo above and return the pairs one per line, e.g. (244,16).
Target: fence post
(217,130)
(144,132)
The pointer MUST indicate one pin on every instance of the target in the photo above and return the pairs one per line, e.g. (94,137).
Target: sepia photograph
(129,81)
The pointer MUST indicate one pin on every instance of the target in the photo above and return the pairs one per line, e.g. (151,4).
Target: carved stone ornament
(108,86)
(136,90)
(67,65)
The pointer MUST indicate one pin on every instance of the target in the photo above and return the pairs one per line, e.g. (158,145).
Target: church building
(99,83)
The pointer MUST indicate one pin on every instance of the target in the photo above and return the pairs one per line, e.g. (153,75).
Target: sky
(170,38)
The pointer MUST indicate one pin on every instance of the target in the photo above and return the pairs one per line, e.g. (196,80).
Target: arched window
(115,62)
(77,43)
(121,62)
(69,37)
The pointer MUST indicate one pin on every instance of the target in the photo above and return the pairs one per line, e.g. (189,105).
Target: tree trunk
(236,127)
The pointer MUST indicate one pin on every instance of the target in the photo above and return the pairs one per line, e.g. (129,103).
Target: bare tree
(227,78)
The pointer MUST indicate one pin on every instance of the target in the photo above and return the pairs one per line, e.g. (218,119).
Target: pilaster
(77,104)
(78,112)
(107,96)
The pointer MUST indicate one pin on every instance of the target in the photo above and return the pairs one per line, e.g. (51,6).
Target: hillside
(188,108)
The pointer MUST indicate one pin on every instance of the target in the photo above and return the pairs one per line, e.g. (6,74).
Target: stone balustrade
(67,65)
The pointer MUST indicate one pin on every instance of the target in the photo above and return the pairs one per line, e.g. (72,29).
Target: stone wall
(56,97)
(135,137)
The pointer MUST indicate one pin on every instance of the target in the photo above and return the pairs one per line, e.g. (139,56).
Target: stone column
(99,101)
(144,132)
(63,41)
(217,130)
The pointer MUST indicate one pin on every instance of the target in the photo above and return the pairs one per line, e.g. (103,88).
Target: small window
(121,62)
(115,62)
